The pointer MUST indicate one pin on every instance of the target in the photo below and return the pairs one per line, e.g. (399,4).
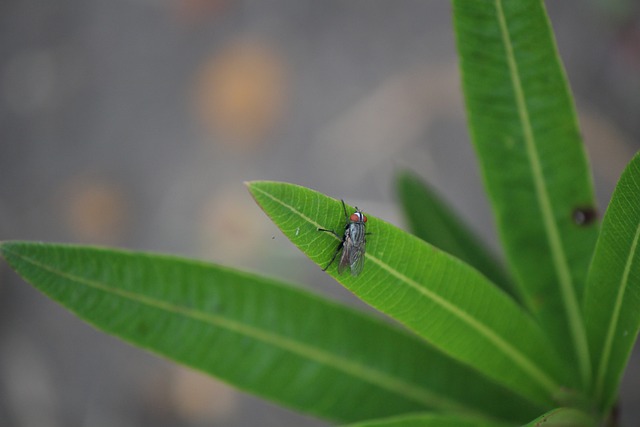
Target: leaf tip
(12,246)
(10,249)
(404,173)
(252,186)
(5,246)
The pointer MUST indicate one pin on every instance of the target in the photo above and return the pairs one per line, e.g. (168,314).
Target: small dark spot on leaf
(538,301)
(216,307)
(142,328)
(584,215)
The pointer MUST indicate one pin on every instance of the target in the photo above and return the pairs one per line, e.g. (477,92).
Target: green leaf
(262,336)
(563,417)
(442,299)
(612,298)
(524,128)
(432,220)
(428,420)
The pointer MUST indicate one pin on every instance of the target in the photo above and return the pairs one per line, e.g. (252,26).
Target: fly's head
(358,217)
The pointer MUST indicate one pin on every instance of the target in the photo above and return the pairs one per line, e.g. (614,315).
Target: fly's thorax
(356,232)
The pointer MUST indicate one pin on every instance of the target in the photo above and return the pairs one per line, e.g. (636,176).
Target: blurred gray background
(133,123)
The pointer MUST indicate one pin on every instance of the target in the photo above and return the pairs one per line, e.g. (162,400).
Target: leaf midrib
(345,365)
(528,366)
(560,263)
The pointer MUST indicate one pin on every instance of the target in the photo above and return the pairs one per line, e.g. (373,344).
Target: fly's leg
(330,231)
(337,250)
(333,258)
(344,208)
(340,246)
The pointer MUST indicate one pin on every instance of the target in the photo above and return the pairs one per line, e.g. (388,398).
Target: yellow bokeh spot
(241,93)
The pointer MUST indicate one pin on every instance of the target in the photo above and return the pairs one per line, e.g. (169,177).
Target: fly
(352,244)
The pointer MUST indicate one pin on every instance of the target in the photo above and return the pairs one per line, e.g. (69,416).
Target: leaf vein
(615,316)
(560,263)
(365,373)
(512,353)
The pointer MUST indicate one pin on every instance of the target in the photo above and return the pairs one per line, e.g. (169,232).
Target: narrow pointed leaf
(262,336)
(563,417)
(445,301)
(429,420)
(524,128)
(612,299)
(432,220)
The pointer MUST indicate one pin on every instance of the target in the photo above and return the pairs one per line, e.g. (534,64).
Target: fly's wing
(356,259)
(357,247)
(346,251)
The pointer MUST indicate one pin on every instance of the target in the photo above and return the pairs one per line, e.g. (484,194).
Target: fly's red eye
(358,217)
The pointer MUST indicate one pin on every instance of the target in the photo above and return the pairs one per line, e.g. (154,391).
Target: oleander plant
(539,338)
